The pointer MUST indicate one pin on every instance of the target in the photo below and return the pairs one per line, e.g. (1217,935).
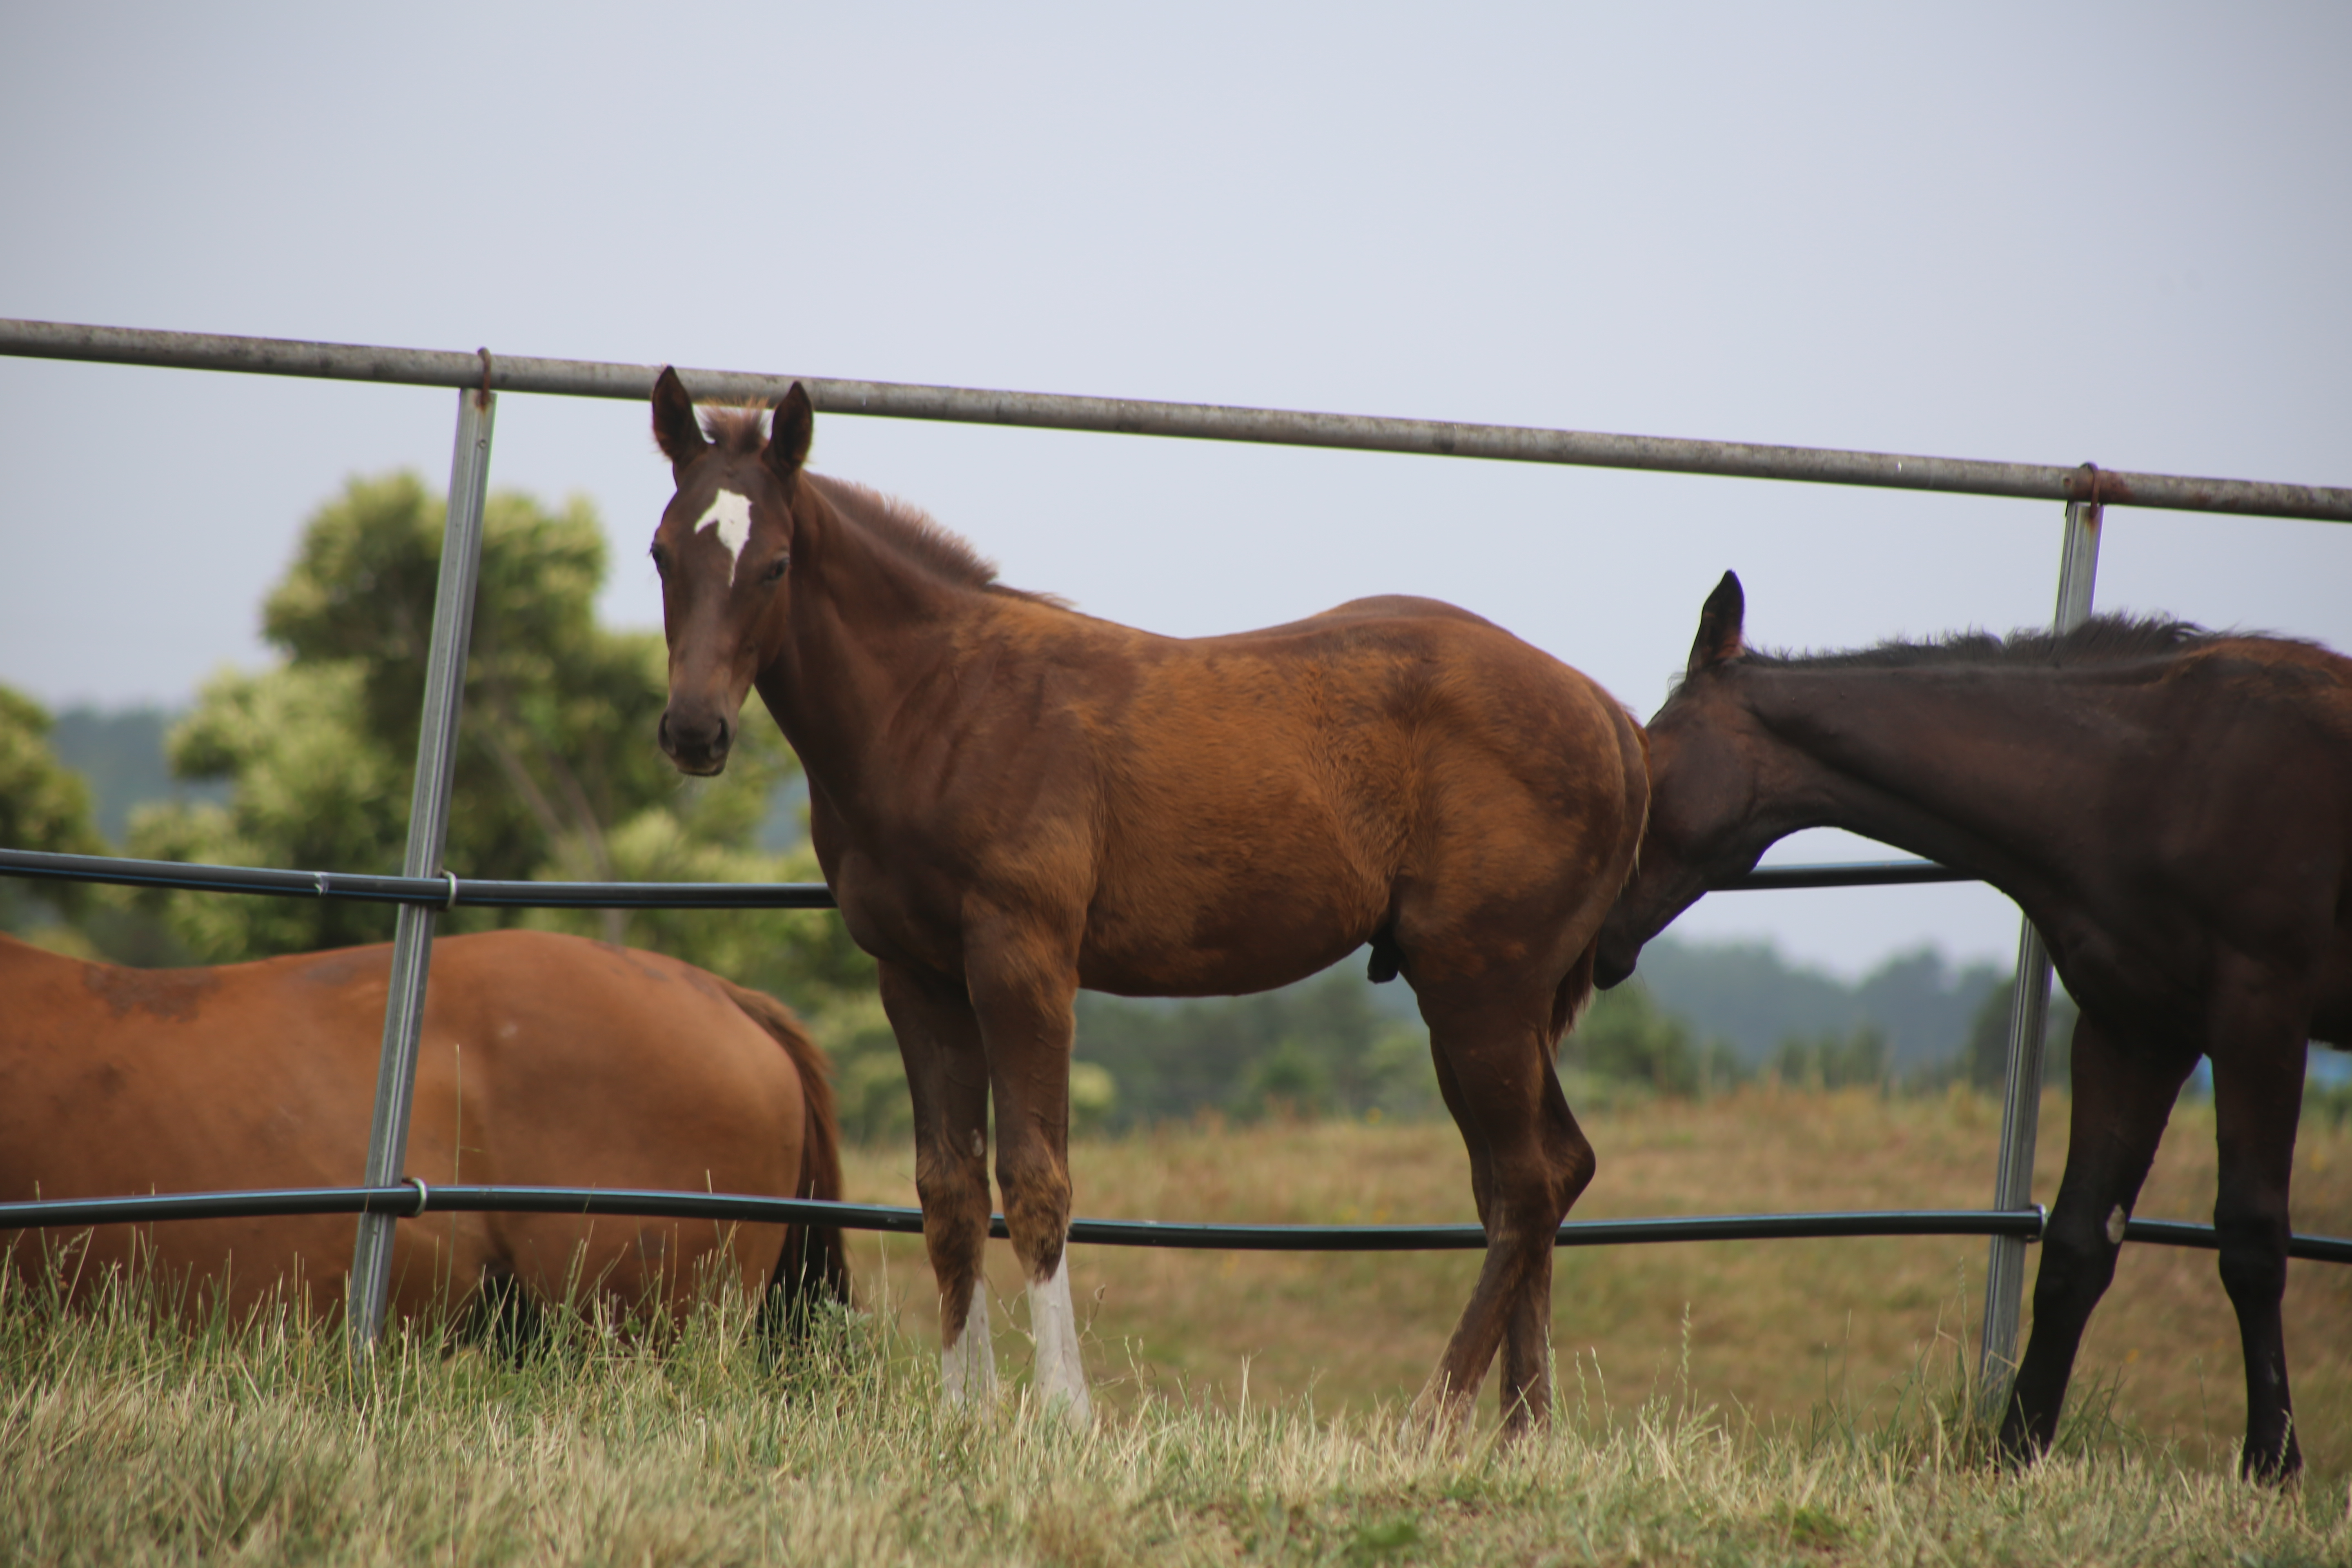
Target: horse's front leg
(1023,988)
(947,1078)
(2122,1096)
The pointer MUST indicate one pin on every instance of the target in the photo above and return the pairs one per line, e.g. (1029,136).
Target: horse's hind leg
(1529,1162)
(1526,1337)
(2122,1101)
(2257,1102)
(947,1078)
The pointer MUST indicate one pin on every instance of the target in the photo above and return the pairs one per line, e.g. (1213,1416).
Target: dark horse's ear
(1719,626)
(676,429)
(789,433)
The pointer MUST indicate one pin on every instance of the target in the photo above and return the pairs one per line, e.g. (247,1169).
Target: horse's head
(1704,775)
(723,549)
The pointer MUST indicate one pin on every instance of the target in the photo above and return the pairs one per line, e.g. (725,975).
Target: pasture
(1775,1329)
(1808,1409)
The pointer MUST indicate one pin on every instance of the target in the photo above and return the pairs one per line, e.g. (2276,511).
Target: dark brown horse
(545,1060)
(1011,800)
(2173,809)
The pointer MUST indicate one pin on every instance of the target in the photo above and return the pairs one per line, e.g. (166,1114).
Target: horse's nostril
(724,740)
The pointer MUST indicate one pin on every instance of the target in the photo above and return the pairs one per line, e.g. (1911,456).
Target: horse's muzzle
(695,746)
(1613,960)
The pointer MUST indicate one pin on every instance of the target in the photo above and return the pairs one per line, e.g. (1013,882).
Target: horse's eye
(661,560)
(776,568)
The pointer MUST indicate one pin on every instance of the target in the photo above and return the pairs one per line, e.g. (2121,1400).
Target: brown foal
(1011,800)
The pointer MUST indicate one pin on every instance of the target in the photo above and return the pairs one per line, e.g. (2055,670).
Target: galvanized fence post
(2029,1013)
(428,824)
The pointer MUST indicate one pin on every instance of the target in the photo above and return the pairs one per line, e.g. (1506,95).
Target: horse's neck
(1979,768)
(869,628)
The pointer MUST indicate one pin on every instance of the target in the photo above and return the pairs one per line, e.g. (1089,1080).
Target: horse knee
(2253,1270)
(2078,1264)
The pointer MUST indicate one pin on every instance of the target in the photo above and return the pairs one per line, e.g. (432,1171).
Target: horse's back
(543,1060)
(1373,607)
(1277,796)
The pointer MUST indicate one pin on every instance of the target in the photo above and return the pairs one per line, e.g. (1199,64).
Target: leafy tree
(557,773)
(1326,1046)
(1861,1057)
(1626,1036)
(44,806)
(1983,1061)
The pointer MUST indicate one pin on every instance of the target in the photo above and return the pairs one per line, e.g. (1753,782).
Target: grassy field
(1769,1329)
(1781,1403)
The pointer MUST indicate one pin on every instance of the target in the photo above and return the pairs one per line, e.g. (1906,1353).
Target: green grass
(129,1437)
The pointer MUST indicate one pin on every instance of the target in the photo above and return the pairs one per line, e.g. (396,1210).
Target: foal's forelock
(738,431)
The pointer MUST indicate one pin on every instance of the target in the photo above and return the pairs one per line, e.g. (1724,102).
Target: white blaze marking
(1061,1375)
(731,513)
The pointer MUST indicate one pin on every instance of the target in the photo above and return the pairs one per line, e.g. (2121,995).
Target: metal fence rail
(449,890)
(413,1199)
(1207,422)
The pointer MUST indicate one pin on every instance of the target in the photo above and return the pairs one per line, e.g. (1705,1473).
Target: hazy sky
(2046,234)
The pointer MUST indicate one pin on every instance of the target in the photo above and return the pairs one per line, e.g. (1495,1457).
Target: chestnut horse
(546,1060)
(2172,807)
(1011,800)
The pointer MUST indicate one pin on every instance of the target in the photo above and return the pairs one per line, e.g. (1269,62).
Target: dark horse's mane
(912,531)
(2102,639)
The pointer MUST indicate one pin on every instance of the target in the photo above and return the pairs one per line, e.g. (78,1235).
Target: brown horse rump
(545,1060)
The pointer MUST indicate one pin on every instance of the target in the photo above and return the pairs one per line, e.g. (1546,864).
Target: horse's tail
(815,1265)
(1575,992)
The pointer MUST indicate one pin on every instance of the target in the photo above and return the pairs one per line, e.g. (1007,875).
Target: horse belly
(1224,912)
(241,1089)
(587,1066)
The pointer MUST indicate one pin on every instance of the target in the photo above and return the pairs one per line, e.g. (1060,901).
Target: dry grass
(121,1442)
(124,1441)
(1771,1330)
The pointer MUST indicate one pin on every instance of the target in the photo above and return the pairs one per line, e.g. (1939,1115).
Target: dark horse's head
(723,548)
(1705,769)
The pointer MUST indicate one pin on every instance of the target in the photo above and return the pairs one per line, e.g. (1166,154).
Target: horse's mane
(909,529)
(911,532)
(2102,639)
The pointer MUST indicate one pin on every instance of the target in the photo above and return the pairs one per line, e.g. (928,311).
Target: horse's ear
(1719,624)
(787,435)
(676,429)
